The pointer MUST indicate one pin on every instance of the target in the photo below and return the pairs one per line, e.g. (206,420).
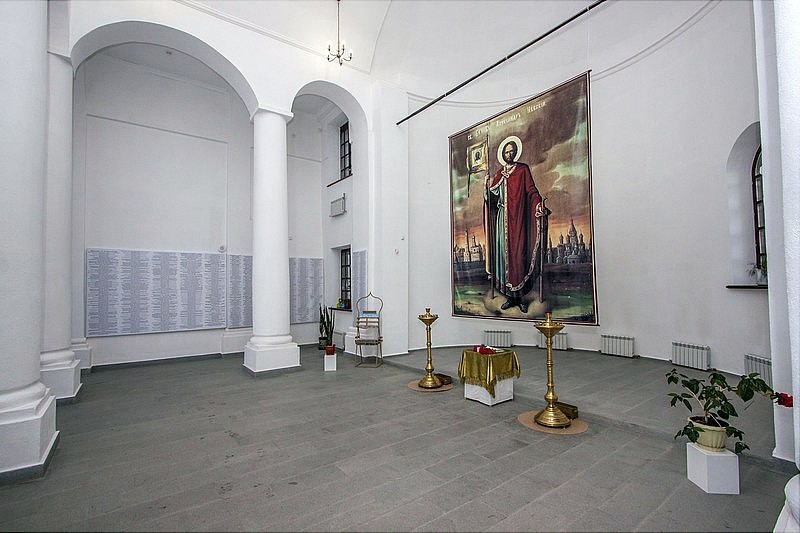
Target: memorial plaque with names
(306,289)
(140,291)
(240,291)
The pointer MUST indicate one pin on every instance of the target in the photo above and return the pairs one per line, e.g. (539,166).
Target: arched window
(758,213)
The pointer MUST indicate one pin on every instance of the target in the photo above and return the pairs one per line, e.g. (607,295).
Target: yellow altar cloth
(485,370)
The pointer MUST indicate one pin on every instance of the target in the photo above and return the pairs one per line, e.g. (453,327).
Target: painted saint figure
(515,221)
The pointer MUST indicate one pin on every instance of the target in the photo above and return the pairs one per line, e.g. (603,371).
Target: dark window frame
(345,152)
(345,271)
(759,219)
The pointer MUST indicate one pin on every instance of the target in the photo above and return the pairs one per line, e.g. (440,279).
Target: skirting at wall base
(235,340)
(63,380)
(28,433)
(265,357)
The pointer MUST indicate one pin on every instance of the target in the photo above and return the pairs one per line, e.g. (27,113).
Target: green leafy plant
(326,323)
(758,273)
(711,395)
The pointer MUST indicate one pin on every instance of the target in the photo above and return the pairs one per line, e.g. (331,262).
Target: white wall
(304,145)
(663,127)
(164,164)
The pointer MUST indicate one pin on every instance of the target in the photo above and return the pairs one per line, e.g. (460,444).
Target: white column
(787,65)
(271,346)
(60,370)
(80,345)
(27,409)
(787,35)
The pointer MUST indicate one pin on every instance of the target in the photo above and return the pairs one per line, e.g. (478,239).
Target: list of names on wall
(359,276)
(240,291)
(139,291)
(306,289)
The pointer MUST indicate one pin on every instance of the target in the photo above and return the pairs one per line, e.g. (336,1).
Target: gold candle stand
(551,416)
(430,381)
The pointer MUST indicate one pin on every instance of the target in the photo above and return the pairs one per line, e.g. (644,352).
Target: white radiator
(616,345)
(762,365)
(691,355)
(500,338)
(559,341)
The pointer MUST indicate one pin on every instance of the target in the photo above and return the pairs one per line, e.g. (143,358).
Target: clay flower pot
(712,438)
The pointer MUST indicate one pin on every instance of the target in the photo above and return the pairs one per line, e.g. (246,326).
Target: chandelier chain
(341,54)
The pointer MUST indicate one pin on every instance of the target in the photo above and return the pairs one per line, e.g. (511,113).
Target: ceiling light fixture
(342,54)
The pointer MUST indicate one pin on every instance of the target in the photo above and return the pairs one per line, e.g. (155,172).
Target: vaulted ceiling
(424,46)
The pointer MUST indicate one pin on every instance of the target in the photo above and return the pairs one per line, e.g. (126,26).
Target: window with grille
(758,213)
(345,165)
(345,277)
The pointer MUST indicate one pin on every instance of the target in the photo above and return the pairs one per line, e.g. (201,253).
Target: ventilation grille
(616,345)
(559,341)
(499,338)
(691,355)
(762,365)
(338,206)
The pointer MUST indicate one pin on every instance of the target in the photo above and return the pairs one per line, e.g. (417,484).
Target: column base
(28,433)
(260,356)
(62,375)
(789,519)
(83,353)
(235,340)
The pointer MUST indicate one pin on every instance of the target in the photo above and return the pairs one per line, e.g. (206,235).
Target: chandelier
(341,54)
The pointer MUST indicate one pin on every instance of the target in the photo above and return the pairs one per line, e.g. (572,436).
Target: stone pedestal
(714,472)
(330,363)
(503,391)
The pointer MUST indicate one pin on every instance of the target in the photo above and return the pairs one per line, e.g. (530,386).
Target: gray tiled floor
(201,445)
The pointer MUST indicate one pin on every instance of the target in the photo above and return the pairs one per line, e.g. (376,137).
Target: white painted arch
(150,33)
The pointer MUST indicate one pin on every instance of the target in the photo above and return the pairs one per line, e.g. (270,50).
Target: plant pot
(712,438)
(330,349)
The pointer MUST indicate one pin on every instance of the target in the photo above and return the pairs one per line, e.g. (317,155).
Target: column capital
(260,110)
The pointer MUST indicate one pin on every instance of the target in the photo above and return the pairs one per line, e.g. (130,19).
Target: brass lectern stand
(551,416)
(430,381)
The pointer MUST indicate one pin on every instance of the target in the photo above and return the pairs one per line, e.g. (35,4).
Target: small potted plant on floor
(326,322)
(323,339)
(713,424)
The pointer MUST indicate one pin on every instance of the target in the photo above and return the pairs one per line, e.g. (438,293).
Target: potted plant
(326,322)
(710,428)
(758,273)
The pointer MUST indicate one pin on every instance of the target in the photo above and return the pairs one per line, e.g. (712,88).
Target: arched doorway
(163,170)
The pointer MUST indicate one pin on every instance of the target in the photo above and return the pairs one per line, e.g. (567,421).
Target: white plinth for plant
(714,472)
(503,391)
(330,362)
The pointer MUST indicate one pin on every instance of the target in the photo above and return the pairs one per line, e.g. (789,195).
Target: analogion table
(488,378)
